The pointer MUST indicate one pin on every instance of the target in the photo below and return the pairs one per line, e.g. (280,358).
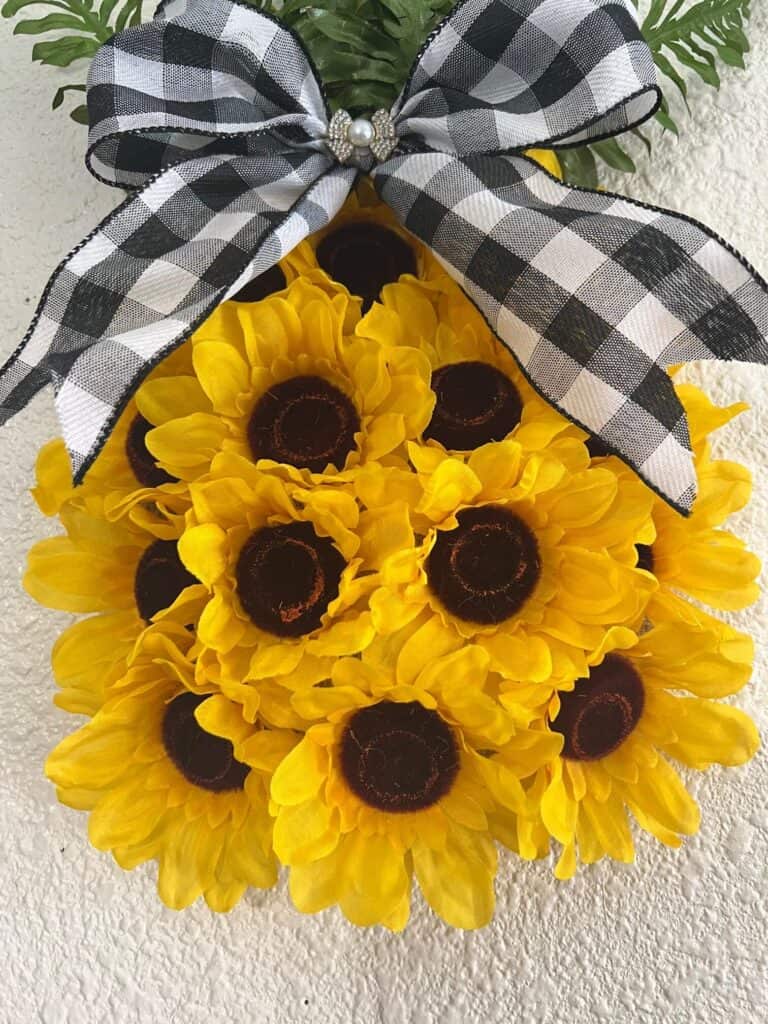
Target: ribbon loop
(594,294)
(155,269)
(218,78)
(505,75)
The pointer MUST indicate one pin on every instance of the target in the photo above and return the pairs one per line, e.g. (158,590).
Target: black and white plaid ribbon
(216,120)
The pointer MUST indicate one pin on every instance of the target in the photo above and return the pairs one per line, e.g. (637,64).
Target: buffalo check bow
(216,122)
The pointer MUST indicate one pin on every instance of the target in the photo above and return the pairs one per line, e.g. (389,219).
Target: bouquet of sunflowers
(362,604)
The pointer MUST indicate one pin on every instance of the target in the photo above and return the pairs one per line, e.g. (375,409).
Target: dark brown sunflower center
(601,711)
(365,257)
(644,557)
(204,760)
(485,569)
(160,578)
(304,422)
(476,403)
(286,578)
(140,459)
(398,757)
(271,281)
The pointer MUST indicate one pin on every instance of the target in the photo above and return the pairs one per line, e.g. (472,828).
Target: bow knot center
(355,140)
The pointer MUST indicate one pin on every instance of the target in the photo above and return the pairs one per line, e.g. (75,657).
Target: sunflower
(394,779)
(125,478)
(617,727)
(281,384)
(695,555)
(515,555)
(160,786)
(286,587)
(128,574)
(364,250)
(480,393)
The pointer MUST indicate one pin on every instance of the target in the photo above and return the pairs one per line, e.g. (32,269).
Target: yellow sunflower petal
(219,626)
(223,375)
(186,865)
(558,811)
(451,485)
(384,531)
(53,472)
(266,749)
(61,576)
(317,885)
(125,814)
(708,733)
(547,159)
(204,551)
(305,832)
(457,881)
(610,827)
(430,641)
(187,445)
(662,795)
(221,898)
(300,774)
(375,879)
(565,868)
(221,717)
(171,398)
(324,701)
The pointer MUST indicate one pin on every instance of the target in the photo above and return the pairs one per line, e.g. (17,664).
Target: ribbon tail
(152,271)
(594,294)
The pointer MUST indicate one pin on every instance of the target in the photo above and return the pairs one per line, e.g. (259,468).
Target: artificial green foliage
(681,36)
(364,49)
(74,31)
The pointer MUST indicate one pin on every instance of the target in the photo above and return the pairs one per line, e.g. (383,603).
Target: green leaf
(697,37)
(665,120)
(12,7)
(579,166)
(47,24)
(126,15)
(106,9)
(611,152)
(61,53)
(58,99)
(80,114)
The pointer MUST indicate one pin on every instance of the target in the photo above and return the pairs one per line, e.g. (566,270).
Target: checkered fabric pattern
(153,271)
(216,118)
(592,293)
(512,74)
(218,78)
(211,119)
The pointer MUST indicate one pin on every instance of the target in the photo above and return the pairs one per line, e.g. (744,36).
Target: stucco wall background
(678,938)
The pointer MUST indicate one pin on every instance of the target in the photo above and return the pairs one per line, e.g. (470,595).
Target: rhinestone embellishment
(345,136)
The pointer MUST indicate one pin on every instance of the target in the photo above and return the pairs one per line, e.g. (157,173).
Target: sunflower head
(394,779)
(620,725)
(516,555)
(158,782)
(284,580)
(125,479)
(283,384)
(363,251)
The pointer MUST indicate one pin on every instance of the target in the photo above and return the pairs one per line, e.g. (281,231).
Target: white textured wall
(679,938)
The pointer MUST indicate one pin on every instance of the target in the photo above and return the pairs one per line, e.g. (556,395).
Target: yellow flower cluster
(361,604)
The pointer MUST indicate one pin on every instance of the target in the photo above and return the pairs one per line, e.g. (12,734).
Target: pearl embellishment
(361,142)
(360,133)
